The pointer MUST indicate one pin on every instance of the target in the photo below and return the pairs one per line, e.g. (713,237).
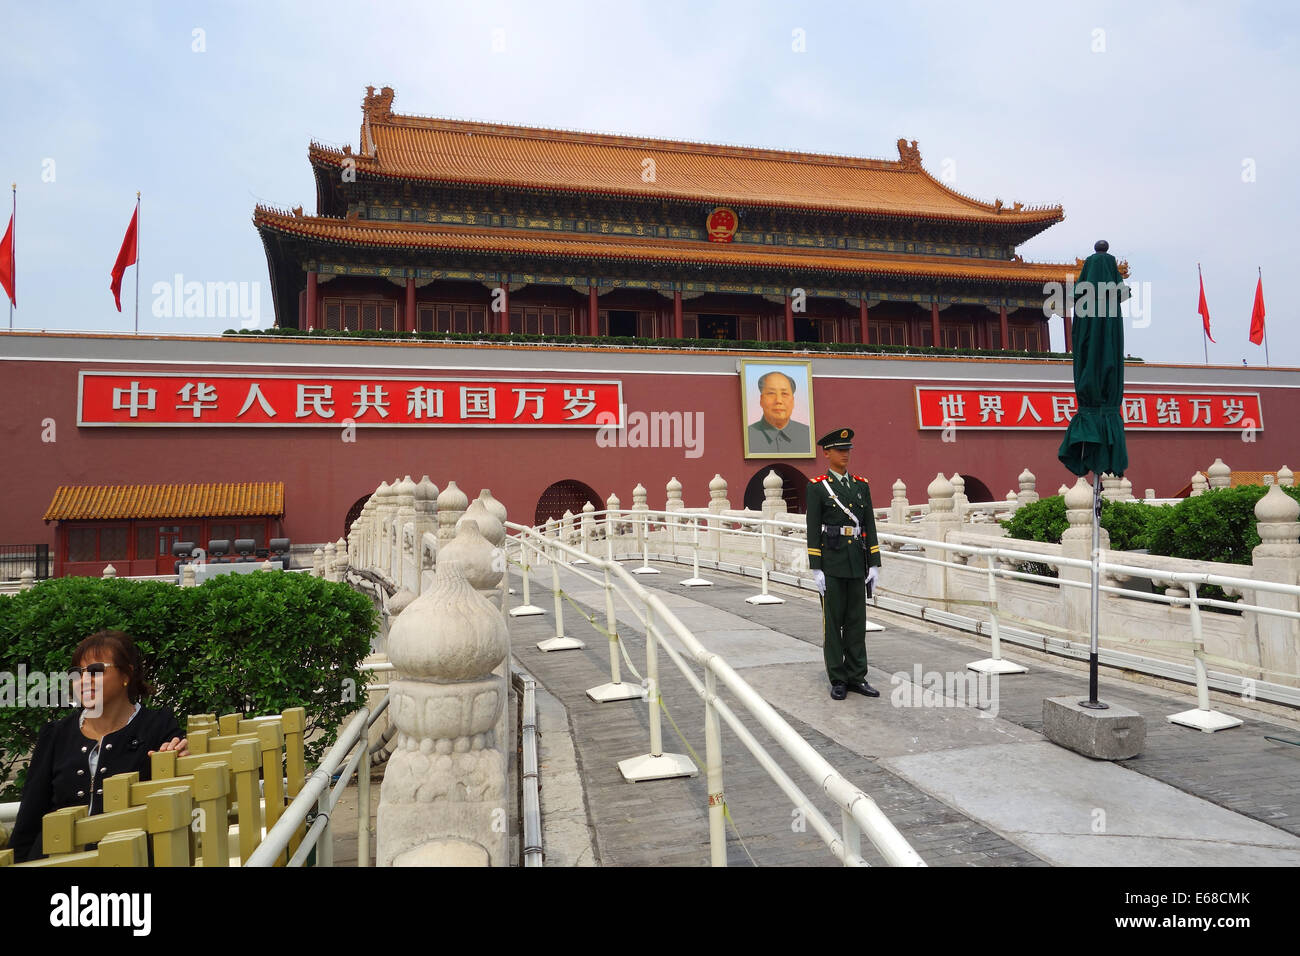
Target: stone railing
(434,563)
(1250,644)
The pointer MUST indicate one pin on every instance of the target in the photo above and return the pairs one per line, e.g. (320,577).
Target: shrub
(1218,525)
(249,643)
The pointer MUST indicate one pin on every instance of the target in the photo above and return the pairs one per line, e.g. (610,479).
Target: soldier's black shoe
(862,687)
(838,690)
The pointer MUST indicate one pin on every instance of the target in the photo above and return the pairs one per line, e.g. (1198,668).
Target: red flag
(1257,314)
(125,257)
(1203,308)
(8,270)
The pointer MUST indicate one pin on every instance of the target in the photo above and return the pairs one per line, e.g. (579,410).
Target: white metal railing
(704,535)
(345,758)
(859,813)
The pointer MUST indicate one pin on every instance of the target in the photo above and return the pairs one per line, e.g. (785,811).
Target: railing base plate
(1205,720)
(999,666)
(764,599)
(560,644)
(696,583)
(526,610)
(608,693)
(645,570)
(663,767)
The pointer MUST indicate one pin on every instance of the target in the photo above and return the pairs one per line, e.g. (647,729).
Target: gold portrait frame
(754,426)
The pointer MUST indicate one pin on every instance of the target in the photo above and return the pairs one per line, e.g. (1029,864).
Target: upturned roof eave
(1066,271)
(1046,216)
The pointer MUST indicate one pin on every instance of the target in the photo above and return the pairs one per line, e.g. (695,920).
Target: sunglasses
(91,670)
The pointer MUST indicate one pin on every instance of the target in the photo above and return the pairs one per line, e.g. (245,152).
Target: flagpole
(1205,346)
(1261,283)
(13,250)
(137,262)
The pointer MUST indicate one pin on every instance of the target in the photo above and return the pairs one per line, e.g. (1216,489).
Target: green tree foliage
(250,643)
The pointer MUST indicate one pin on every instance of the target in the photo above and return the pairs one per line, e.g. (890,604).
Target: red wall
(323,475)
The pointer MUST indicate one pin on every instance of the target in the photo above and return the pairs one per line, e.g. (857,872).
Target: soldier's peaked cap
(839,438)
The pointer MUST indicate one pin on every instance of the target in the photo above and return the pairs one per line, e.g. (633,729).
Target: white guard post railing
(689,536)
(859,814)
(344,759)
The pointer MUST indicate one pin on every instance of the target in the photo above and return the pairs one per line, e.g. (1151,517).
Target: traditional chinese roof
(372,234)
(106,502)
(420,148)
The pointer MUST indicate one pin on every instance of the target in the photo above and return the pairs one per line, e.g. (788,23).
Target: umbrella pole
(1092,701)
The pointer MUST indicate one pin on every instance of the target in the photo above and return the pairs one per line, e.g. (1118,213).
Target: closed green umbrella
(1094,440)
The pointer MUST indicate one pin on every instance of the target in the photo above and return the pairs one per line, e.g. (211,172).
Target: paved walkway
(967,781)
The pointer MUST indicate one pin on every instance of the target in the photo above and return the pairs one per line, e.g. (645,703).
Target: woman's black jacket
(59,773)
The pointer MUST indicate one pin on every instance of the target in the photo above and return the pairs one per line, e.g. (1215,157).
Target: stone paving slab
(753,647)
(1071,810)
(874,727)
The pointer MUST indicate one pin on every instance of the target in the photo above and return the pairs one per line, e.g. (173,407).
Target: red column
(934,325)
(677,315)
(862,321)
(408,322)
(1069,345)
(311,299)
(593,312)
(503,320)
(789,320)
(1002,326)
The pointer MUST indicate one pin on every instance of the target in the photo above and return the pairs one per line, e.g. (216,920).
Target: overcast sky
(1170,129)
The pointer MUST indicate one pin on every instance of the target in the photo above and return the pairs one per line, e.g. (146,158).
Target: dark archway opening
(794,487)
(976,490)
(567,495)
(353,514)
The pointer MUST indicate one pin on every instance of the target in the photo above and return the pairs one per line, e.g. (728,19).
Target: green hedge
(253,643)
(694,344)
(1217,525)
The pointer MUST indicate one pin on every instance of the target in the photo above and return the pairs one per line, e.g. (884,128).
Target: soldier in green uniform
(844,555)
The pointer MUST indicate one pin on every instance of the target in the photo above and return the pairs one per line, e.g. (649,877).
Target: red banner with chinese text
(1052,409)
(205,399)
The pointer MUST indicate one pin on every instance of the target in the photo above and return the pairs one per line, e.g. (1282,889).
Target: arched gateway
(567,495)
(794,485)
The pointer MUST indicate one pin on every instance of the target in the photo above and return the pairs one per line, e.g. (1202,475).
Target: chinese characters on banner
(1044,409)
(178,399)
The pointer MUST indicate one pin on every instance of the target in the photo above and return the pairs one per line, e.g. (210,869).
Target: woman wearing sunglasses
(110,733)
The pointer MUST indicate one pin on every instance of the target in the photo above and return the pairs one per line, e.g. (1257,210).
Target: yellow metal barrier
(243,769)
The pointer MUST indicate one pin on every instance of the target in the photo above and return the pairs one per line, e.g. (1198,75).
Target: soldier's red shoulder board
(818,478)
(860,478)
